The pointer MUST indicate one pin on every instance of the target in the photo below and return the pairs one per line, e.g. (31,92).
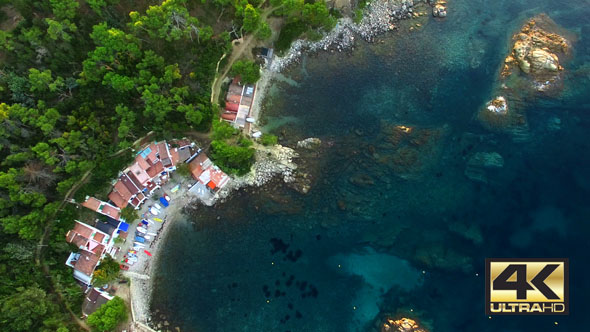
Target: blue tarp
(124,226)
(164,201)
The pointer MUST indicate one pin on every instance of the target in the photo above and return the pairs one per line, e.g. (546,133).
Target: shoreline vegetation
(84,84)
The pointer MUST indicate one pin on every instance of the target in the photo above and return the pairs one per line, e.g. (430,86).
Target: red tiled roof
(233,98)
(119,201)
(232,107)
(76,239)
(86,263)
(135,202)
(83,229)
(229,116)
(198,165)
(122,190)
(91,203)
(151,157)
(142,162)
(141,196)
(218,177)
(174,155)
(98,237)
(135,181)
(155,169)
(129,184)
(138,175)
(96,248)
(110,211)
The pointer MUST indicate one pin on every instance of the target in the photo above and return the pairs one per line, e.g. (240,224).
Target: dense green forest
(80,82)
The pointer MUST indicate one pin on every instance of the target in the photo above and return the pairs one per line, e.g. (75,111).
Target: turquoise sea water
(397,228)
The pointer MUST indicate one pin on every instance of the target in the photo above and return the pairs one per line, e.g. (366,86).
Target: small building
(206,173)
(94,299)
(93,244)
(103,208)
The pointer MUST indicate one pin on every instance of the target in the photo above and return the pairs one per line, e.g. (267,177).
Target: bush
(109,315)
(129,214)
(232,159)
(289,33)
(107,271)
(183,170)
(222,130)
(268,139)
(248,70)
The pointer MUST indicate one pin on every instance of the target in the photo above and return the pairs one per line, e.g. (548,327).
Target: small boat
(158,219)
(145,222)
(153,234)
(166,197)
(250,120)
(147,237)
(141,230)
(151,221)
(147,252)
(139,239)
(157,206)
(154,211)
(164,202)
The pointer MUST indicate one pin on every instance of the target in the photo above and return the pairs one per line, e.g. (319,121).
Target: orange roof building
(103,208)
(92,243)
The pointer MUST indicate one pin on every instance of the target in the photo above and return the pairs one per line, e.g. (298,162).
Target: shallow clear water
(385,232)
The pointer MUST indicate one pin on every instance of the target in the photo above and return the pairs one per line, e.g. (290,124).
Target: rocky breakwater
(379,17)
(534,66)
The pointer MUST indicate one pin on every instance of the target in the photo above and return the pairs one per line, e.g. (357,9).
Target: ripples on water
(392,224)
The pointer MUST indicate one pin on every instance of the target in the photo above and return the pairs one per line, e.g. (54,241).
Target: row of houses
(238,103)
(150,169)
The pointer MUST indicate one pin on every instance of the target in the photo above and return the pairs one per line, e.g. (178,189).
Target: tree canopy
(109,315)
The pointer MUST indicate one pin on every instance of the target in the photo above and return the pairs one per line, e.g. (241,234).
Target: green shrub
(109,315)
(289,33)
(268,139)
(248,70)
(232,159)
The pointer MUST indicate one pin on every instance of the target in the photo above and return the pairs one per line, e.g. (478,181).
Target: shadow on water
(397,221)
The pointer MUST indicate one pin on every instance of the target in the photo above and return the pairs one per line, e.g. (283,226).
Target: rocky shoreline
(380,16)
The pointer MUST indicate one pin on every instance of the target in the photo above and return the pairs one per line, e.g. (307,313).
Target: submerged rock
(439,8)
(309,143)
(479,164)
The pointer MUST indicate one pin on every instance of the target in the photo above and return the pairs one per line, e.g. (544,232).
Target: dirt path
(245,44)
